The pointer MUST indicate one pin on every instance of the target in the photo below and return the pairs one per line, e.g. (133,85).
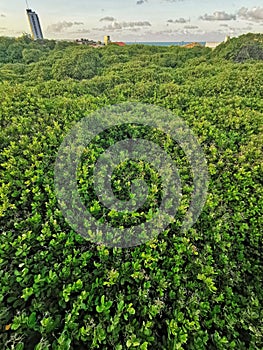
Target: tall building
(34,24)
(106,39)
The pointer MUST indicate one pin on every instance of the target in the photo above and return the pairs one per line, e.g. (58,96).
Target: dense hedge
(246,47)
(200,290)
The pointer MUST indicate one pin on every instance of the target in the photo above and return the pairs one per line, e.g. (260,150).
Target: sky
(135,20)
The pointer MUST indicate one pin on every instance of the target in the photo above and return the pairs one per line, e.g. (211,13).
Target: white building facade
(34,24)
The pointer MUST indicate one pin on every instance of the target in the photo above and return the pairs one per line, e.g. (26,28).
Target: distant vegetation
(241,49)
(194,291)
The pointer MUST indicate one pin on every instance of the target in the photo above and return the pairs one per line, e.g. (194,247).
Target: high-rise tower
(34,24)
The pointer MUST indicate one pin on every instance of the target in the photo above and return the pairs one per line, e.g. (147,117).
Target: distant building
(89,42)
(85,42)
(119,43)
(106,39)
(34,25)
(212,45)
(191,45)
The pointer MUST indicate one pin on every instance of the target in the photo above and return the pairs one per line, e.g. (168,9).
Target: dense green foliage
(200,290)
(246,47)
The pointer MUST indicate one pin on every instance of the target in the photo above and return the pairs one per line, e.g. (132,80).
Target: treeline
(22,59)
(244,48)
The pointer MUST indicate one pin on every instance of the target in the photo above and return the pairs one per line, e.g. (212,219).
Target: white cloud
(218,16)
(107,19)
(191,27)
(81,31)
(179,20)
(125,25)
(135,30)
(62,26)
(254,14)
